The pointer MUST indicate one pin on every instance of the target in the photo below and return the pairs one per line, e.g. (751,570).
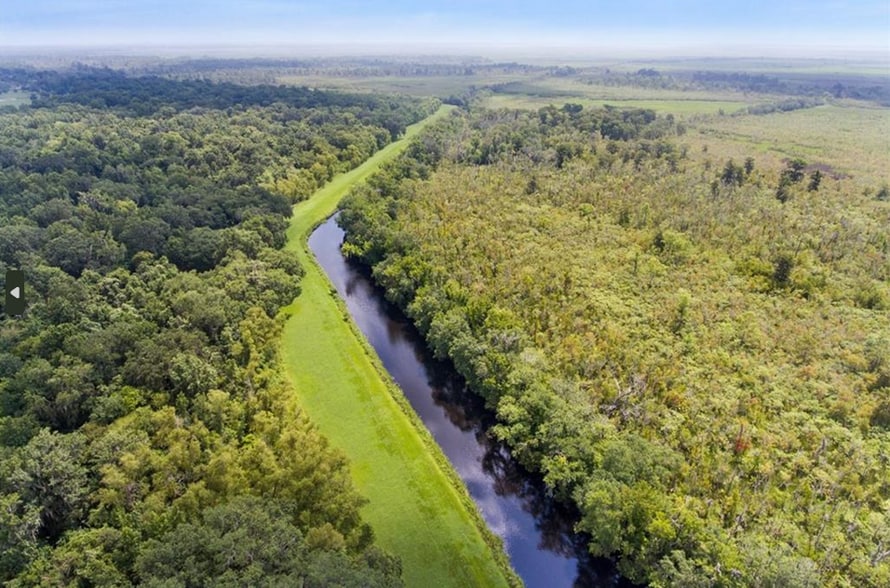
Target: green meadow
(418,508)
(441,86)
(846,138)
(14,98)
(679,107)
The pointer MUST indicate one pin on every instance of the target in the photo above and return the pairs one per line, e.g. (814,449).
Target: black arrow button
(15,292)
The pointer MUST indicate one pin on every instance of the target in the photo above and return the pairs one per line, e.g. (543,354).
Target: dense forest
(145,434)
(696,353)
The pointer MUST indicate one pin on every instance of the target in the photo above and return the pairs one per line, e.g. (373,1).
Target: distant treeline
(835,85)
(269,71)
(354,67)
(874,89)
(784,105)
(145,95)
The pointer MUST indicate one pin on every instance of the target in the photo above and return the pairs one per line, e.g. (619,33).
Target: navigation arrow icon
(15,293)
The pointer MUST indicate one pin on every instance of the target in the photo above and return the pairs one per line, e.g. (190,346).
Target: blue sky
(590,23)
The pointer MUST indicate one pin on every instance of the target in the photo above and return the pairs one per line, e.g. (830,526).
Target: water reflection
(537,531)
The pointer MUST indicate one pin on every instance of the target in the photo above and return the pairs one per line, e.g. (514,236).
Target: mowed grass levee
(415,508)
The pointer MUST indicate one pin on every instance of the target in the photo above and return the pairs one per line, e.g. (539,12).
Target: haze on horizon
(821,28)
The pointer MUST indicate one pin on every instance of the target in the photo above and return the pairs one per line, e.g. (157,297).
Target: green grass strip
(418,506)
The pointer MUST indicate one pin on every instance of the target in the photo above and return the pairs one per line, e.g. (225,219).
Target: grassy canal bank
(418,506)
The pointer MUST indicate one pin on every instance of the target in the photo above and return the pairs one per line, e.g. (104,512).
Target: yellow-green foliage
(701,367)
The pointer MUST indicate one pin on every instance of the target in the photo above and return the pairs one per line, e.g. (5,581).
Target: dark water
(536,531)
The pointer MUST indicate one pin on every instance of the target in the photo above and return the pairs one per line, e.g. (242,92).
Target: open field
(533,94)
(440,86)
(416,509)
(850,138)
(851,66)
(589,87)
(681,107)
(14,98)
(682,87)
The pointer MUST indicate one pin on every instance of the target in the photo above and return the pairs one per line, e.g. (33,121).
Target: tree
(733,175)
(190,375)
(783,265)
(251,542)
(85,557)
(783,193)
(144,233)
(18,240)
(815,180)
(19,527)
(794,171)
(49,474)
(199,249)
(74,250)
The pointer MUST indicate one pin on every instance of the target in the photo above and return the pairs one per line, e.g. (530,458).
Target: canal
(537,531)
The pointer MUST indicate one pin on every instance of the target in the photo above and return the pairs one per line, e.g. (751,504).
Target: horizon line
(283,50)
